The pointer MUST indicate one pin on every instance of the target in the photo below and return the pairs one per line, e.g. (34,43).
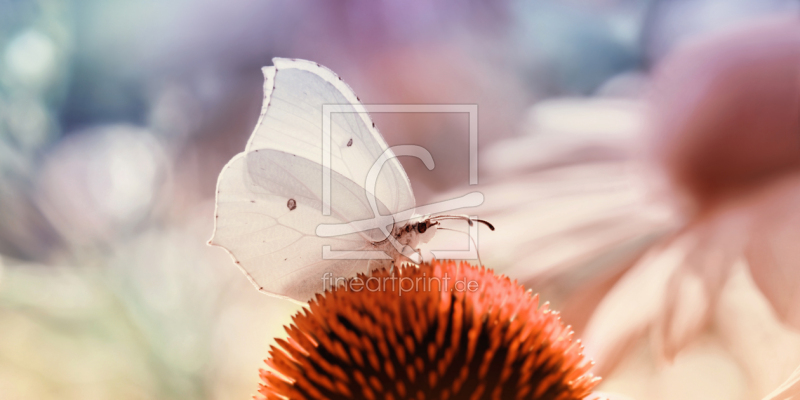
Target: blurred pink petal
(631,307)
(748,327)
(571,204)
(687,305)
(788,390)
(773,251)
(671,290)
(694,287)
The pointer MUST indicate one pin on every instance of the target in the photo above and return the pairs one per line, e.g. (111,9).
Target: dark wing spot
(252,201)
(350,142)
(373,124)
(291,204)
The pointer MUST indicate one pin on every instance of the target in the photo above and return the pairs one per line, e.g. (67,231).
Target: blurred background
(117,116)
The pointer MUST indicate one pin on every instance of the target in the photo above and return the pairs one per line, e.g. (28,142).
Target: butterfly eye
(422,227)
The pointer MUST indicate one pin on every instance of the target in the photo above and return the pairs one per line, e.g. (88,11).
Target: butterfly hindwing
(268,208)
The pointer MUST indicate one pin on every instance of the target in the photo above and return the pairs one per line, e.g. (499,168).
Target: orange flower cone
(443,330)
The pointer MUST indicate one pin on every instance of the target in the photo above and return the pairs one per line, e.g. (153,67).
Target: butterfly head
(425,229)
(416,231)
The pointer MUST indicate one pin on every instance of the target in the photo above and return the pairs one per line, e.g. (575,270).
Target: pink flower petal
(774,250)
(686,313)
(672,289)
(631,307)
(766,349)
(788,389)
(717,241)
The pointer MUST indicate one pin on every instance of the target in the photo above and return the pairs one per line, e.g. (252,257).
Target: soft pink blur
(727,111)
(726,134)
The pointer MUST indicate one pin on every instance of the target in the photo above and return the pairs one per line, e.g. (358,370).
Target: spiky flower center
(473,335)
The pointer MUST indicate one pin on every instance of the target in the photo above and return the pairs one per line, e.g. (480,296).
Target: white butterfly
(274,212)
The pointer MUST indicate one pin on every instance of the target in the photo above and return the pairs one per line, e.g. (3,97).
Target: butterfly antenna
(467,218)
(471,239)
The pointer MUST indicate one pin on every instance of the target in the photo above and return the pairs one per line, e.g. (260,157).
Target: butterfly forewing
(292,121)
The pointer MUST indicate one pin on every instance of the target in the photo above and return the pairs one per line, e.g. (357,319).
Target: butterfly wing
(292,121)
(268,208)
